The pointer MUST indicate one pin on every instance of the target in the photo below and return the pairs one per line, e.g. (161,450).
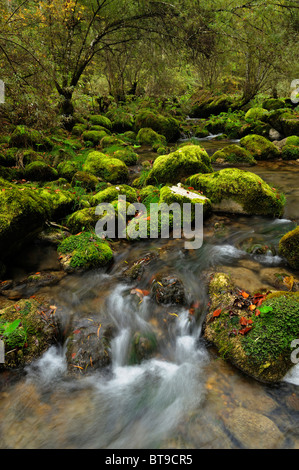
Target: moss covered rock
(100,120)
(83,252)
(167,126)
(289,247)
(290,152)
(23,212)
(85,180)
(172,168)
(260,147)
(35,331)
(273,103)
(67,169)
(233,154)
(256,339)
(239,191)
(106,167)
(124,153)
(24,137)
(147,136)
(256,113)
(93,136)
(40,171)
(122,120)
(113,192)
(84,219)
(180,195)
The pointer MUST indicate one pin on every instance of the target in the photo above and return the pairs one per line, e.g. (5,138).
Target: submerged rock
(168,290)
(252,331)
(239,191)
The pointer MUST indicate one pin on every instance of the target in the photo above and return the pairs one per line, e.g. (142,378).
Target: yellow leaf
(288,282)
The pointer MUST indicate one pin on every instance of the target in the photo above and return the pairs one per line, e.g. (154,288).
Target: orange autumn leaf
(244,294)
(217,312)
(245,330)
(257,312)
(252,307)
(243,321)
(98,330)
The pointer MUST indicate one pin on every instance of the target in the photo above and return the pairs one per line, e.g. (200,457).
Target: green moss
(99,120)
(260,147)
(84,219)
(273,330)
(289,247)
(292,140)
(108,168)
(94,136)
(167,126)
(169,197)
(111,141)
(67,169)
(290,152)
(23,137)
(122,120)
(125,154)
(78,129)
(180,164)
(256,113)
(85,251)
(113,192)
(290,125)
(128,136)
(233,154)
(242,187)
(147,136)
(40,171)
(273,103)
(85,180)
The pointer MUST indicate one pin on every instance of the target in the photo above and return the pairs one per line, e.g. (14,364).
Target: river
(185,396)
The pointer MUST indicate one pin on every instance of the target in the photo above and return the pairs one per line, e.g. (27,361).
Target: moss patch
(233,154)
(260,147)
(109,168)
(289,248)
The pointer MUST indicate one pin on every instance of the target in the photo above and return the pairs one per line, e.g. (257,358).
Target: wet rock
(134,271)
(253,331)
(289,248)
(143,346)
(37,329)
(31,284)
(253,430)
(88,346)
(280,279)
(168,290)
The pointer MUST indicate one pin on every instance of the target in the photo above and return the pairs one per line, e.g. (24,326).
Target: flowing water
(184,396)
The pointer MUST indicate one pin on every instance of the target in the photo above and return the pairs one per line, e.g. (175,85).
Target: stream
(185,396)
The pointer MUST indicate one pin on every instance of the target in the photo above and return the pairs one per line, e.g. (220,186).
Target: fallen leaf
(98,331)
(245,330)
(217,312)
(76,332)
(243,321)
(252,307)
(288,282)
(257,312)
(244,294)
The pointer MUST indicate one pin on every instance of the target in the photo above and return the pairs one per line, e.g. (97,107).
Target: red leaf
(245,330)
(244,294)
(217,312)
(76,332)
(243,321)
(257,312)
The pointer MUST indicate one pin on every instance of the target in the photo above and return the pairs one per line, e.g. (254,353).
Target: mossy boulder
(35,330)
(23,212)
(84,219)
(273,103)
(85,180)
(181,195)
(290,152)
(124,153)
(289,247)
(260,147)
(290,126)
(78,129)
(111,141)
(24,137)
(106,167)
(112,193)
(147,136)
(100,120)
(239,191)
(172,168)
(122,120)
(233,154)
(256,113)
(252,331)
(167,126)
(40,171)
(93,136)
(205,105)
(67,169)
(83,252)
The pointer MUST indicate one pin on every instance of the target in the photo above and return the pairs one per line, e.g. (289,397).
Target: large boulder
(253,331)
(233,154)
(24,211)
(289,247)
(260,147)
(24,137)
(167,126)
(186,161)
(239,191)
(109,168)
